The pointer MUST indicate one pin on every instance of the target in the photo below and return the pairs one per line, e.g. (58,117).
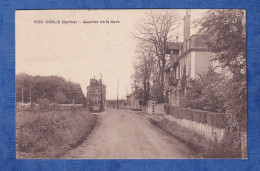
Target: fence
(208,124)
(24,106)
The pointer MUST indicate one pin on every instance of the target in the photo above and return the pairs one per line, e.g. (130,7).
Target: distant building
(187,59)
(134,101)
(96,94)
(113,104)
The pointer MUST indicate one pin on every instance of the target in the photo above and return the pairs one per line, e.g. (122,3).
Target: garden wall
(208,124)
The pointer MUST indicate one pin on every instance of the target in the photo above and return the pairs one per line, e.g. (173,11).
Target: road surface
(125,134)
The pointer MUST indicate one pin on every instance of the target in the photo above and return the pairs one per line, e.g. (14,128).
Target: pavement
(126,134)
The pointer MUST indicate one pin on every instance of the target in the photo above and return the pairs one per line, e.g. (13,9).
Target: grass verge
(51,134)
(201,147)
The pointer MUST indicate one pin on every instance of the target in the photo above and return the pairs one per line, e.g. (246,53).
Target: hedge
(167,109)
(199,116)
(188,114)
(217,120)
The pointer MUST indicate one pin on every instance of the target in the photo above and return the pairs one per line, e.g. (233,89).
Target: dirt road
(122,134)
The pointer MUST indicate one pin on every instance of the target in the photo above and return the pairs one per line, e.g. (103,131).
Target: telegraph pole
(30,94)
(117,92)
(126,97)
(101,104)
(22,94)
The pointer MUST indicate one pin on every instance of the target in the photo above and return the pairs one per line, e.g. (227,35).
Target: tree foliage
(157,29)
(60,97)
(53,88)
(144,69)
(204,93)
(225,33)
(43,103)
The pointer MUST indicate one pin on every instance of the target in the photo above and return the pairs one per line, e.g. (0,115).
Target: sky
(79,52)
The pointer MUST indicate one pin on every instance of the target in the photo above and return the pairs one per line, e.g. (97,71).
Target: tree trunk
(162,99)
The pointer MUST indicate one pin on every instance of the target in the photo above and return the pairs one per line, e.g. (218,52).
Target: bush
(39,135)
(32,105)
(187,114)
(203,93)
(227,148)
(217,120)
(199,116)
(167,109)
(202,147)
(214,119)
(73,108)
(177,113)
(43,103)
(53,134)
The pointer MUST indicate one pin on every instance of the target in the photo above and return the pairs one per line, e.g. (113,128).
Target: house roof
(196,43)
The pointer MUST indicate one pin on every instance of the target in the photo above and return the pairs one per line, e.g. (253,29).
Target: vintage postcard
(131,84)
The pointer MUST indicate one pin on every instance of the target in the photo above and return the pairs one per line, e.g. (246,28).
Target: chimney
(186,33)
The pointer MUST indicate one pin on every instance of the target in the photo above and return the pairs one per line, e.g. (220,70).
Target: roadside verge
(51,134)
(200,146)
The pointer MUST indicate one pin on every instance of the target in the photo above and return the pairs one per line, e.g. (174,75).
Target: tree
(144,68)
(47,87)
(225,32)
(157,29)
(43,103)
(204,92)
(23,82)
(60,97)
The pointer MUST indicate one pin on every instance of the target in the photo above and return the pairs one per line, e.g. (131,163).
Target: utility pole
(126,97)
(117,92)
(101,104)
(30,94)
(22,94)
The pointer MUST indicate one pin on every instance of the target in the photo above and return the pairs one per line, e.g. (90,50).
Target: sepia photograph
(131,84)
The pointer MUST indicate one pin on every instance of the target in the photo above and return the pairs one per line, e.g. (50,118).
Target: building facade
(188,59)
(134,101)
(96,94)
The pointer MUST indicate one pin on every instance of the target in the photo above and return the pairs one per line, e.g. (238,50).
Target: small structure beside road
(135,101)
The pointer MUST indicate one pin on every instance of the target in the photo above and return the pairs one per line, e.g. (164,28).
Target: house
(188,59)
(96,94)
(134,100)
